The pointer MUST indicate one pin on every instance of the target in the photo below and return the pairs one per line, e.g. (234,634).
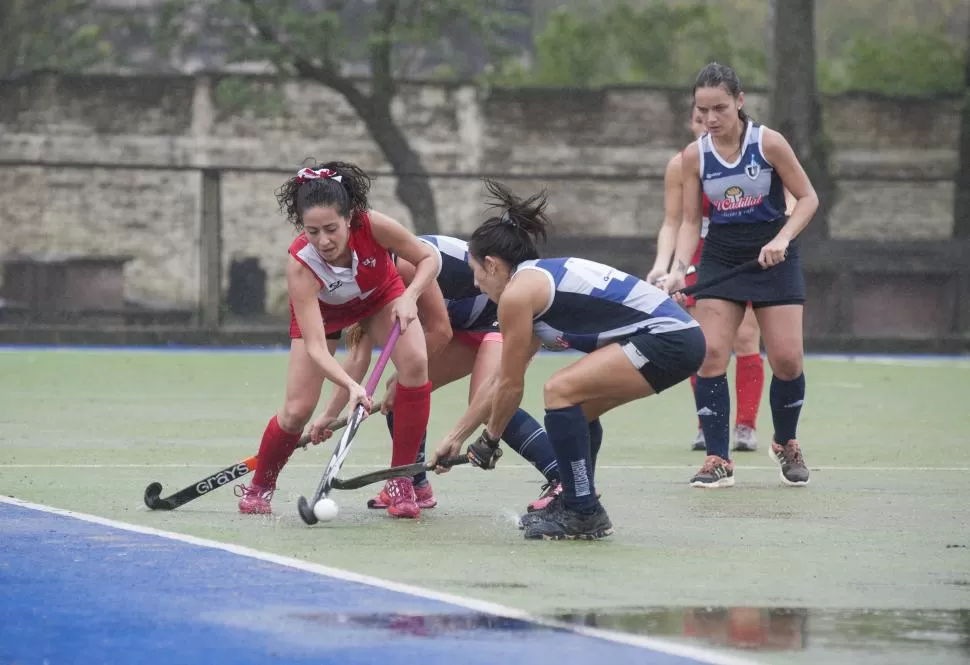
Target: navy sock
(422,477)
(786,399)
(569,434)
(526,436)
(595,441)
(713,401)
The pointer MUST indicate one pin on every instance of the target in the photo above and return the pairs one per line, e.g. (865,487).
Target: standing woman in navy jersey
(637,342)
(744,169)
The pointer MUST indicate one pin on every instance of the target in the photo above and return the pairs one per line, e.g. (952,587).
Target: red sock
(693,389)
(412,407)
(274,451)
(749,381)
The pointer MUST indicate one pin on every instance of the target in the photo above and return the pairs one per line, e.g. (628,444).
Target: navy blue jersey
(749,190)
(592,305)
(468,307)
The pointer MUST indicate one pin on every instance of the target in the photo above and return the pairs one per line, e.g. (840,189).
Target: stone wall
(109,165)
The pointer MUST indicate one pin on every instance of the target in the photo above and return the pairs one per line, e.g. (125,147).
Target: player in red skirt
(339,272)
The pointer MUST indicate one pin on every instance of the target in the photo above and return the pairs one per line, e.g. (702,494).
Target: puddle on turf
(917,633)
(792,629)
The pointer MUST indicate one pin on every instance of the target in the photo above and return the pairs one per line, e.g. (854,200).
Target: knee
(294,415)
(412,368)
(715,361)
(748,341)
(786,366)
(557,393)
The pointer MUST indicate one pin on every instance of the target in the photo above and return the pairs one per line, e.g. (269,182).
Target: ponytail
(511,236)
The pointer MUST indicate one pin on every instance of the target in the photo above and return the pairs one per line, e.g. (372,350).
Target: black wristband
(487,438)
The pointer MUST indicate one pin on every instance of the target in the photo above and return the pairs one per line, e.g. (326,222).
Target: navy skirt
(730,245)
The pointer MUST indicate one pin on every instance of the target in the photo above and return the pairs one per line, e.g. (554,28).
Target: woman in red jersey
(340,272)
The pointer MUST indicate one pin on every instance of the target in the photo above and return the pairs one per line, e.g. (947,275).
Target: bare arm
(781,156)
(355,364)
(393,236)
(690,229)
(303,288)
(526,294)
(431,310)
(673,215)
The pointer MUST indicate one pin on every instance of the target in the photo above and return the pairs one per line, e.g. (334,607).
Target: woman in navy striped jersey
(744,169)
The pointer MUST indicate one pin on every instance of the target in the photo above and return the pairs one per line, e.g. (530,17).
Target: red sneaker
(549,492)
(423,495)
(255,499)
(403,502)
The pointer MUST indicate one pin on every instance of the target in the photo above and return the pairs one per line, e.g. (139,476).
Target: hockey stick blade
(406,470)
(155,501)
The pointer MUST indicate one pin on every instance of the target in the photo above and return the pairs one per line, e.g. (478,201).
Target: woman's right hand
(358,396)
(675,282)
(656,276)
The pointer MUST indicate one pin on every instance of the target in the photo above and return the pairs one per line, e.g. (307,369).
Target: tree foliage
(361,50)
(656,43)
(61,35)
(907,62)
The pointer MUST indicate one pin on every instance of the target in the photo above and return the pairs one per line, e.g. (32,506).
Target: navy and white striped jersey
(592,305)
(468,307)
(747,191)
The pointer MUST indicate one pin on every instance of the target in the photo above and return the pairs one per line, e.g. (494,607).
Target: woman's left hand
(774,252)
(405,310)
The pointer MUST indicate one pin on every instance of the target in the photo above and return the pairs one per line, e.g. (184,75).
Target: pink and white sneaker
(403,502)
(549,492)
(422,493)
(255,499)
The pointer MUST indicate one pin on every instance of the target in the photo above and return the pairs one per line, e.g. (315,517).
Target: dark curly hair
(348,196)
(513,234)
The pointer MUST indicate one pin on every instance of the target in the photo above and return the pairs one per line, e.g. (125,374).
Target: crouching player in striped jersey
(638,342)
(460,327)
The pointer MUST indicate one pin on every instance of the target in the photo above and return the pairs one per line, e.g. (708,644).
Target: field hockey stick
(747,266)
(154,500)
(343,447)
(406,470)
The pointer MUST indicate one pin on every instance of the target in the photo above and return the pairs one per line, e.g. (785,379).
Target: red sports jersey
(348,295)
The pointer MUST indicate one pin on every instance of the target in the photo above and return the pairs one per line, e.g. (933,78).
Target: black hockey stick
(155,501)
(747,266)
(406,470)
(342,449)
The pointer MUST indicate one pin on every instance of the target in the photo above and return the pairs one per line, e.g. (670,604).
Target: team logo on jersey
(370,262)
(736,199)
(753,169)
(333,286)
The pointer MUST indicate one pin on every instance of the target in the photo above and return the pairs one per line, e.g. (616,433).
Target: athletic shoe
(549,492)
(716,472)
(568,524)
(403,502)
(423,494)
(255,499)
(537,515)
(744,439)
(699,442)
(794,473)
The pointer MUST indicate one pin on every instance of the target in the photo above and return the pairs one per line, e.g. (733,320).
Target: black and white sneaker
(568,524)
